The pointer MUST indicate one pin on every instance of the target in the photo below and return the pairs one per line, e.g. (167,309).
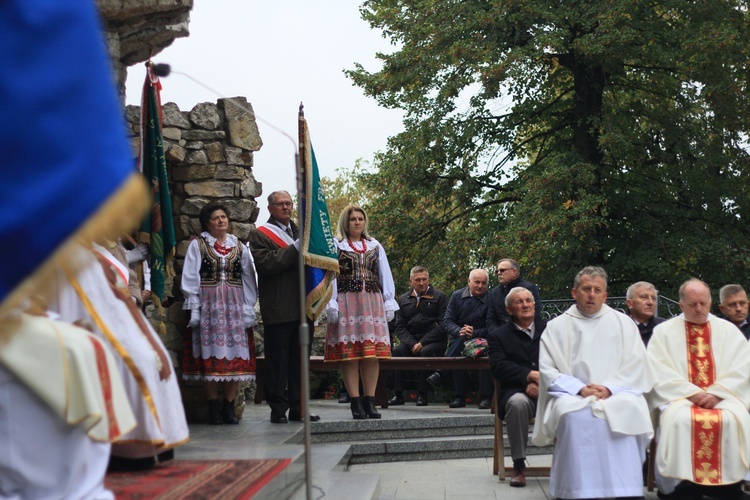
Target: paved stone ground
(256,437)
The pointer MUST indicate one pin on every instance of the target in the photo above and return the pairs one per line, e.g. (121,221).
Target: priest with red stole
(701,365)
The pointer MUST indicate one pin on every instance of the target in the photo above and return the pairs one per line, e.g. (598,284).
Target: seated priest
(701,364)
(591,397)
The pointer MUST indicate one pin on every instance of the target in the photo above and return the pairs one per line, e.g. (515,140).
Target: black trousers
(282,368)
(461,383)
(434,350)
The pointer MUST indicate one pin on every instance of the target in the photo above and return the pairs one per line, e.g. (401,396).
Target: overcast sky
(277,54)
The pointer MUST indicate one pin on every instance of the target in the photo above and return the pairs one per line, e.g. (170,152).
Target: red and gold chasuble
(706,424)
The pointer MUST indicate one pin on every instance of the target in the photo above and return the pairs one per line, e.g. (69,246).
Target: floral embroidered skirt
(220,349)
(361,331)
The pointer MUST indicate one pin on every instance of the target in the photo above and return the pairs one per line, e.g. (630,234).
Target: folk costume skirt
(220,348)
(362,329)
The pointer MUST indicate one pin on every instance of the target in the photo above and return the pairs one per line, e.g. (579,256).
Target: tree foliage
(564,134)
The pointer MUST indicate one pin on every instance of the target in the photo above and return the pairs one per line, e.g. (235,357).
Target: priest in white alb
(591,397)
(702,391)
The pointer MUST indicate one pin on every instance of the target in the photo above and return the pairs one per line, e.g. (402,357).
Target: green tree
(345,188)
(566,133)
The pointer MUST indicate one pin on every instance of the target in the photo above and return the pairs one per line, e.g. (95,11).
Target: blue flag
(67,168)
(318,245)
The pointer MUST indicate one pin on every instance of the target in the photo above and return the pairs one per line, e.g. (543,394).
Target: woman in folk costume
(218,281)
(362,304)
(97,296)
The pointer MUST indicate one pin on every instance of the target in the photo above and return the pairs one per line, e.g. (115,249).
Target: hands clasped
(596,390)
(704,400)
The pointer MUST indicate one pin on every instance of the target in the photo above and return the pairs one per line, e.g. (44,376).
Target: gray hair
(592,271)
(728,290)
(515,291)
(272,196)
(480,270)
(513,264)
(692,281)
(630,294)
(417,270)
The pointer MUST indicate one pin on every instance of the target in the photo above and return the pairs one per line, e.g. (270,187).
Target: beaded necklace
(221,249)
(364,246)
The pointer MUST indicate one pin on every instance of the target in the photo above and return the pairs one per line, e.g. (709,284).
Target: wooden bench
(498,456)
(386,365)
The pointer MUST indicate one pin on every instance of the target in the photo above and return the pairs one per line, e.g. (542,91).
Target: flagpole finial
(301,109)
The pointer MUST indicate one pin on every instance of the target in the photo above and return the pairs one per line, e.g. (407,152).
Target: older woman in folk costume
(362,304)
(96,296)
(218,281)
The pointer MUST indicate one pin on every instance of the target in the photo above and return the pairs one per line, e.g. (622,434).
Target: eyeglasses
(501,271)
(282,204)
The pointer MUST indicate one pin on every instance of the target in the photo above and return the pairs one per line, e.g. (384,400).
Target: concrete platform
(256,437)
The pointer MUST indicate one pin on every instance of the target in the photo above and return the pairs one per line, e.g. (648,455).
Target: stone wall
(209,156)
(136,30)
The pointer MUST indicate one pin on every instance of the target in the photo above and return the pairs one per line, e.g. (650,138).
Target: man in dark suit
(514,363)
(274,246)
(734,306)
(419,327)
(640,298)
(509,277)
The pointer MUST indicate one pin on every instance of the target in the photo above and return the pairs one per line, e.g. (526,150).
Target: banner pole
(304,333)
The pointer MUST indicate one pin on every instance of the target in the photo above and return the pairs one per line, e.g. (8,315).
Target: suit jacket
(464,309)
(278,280)
(513,355)
(745,329)
(648,329)
(424,322)
(496,313)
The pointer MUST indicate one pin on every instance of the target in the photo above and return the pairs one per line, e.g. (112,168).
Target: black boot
(214,413)
(358,412)
(227,412)
(369,404)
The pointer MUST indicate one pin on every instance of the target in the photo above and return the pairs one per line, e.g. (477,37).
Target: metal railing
(665,307)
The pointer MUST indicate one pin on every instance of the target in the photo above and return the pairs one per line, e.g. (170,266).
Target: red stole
(273,236)
(101,365)
(706,424)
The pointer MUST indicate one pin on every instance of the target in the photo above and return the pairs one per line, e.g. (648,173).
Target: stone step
(443,448)
(379,430)
(429,438)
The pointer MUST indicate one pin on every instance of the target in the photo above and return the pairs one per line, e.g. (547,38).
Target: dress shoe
(485,404)
(344,398)
(228,414)
(278,419)
(434,380)
(518,480)
(397,400)
(294,417)
(457,403)
(214,412)
(422,400)
(358,409)
(369,405)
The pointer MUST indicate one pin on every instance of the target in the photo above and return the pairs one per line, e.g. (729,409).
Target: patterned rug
(196,479)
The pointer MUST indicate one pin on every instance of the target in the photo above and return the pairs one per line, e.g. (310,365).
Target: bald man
(702,391)
(466,319)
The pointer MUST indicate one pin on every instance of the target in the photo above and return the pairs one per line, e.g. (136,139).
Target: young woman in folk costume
(362,304)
